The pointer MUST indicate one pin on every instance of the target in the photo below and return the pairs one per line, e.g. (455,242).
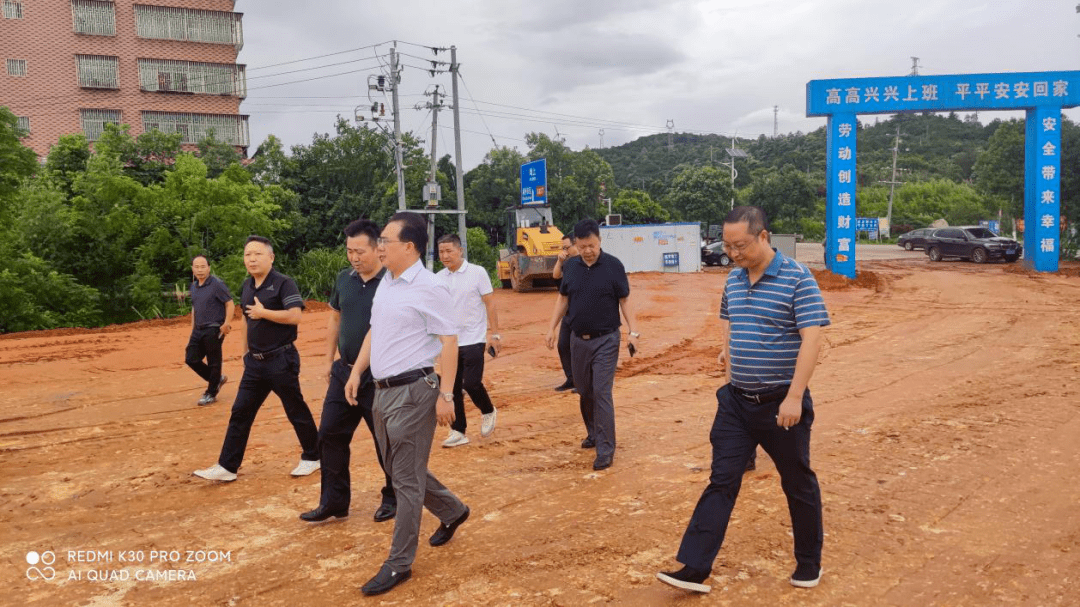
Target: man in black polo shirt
(350,319)
(568,251)
(594,288)
(211,321)
(272,306)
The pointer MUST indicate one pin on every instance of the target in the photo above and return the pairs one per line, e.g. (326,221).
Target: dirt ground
(947,400)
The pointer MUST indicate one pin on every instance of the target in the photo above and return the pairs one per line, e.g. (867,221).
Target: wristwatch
(633,334)
(496,337)
(448,396)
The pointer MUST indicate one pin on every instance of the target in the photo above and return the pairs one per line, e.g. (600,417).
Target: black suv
(915,239)
(975,243)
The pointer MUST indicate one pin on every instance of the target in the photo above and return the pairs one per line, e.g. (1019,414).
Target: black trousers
(336,428)
(740,426)
(278,373)
(470,378)
(564,351)
(205,343)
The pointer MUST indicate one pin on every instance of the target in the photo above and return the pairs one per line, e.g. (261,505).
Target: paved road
(810,252)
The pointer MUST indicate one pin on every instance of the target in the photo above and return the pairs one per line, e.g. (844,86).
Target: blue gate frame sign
(534,182)
(1042,94)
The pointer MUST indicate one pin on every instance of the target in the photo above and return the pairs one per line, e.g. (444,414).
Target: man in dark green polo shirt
(350,319)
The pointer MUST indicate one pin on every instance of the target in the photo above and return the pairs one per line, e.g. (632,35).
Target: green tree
(999,171)
(636,206)
(146,158)
(66,160)
(701,194)
(217,155)
(491,188)
(786,196)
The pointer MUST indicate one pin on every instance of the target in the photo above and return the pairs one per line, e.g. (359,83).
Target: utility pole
(914,66)
(433,181)
(775,121)
(459,182)
(601,139)
(671,135)
(893,182)
(395,80)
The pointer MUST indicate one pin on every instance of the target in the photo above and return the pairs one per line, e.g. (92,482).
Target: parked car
(714,255)
(971,242)
(915,239)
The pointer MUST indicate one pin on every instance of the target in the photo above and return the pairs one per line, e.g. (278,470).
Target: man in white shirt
(470,287)
(412,323)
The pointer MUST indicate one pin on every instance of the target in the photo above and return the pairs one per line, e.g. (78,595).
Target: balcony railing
(190,25)
(23,125)
(93,17)
(166,75)
(16,67)
(98,71)
(229,128)
(94,121)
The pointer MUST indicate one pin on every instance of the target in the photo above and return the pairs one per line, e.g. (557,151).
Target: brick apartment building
(72,66)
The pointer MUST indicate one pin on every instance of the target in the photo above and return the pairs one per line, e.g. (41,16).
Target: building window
(94,121)
(164,75)
(93,17)
(16,67)
(187,24)
(23,126)
(97,71)
(12,9)
(229,128)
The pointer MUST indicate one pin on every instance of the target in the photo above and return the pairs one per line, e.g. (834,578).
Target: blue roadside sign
(534,182)
(867,224)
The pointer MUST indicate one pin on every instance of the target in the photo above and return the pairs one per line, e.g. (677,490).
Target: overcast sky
(627,66)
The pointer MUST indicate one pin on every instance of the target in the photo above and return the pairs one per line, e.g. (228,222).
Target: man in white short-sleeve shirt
(470,288)
(413,321)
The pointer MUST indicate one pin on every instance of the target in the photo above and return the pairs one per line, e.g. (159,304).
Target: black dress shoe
(384,580)
(566,385)
(601,462)
(445,532)
(322,513)
(588,443)
(686,578)
(385,512)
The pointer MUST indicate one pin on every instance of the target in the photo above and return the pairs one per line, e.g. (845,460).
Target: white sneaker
(216,473)
(487,423)
(306,467)
(455,439)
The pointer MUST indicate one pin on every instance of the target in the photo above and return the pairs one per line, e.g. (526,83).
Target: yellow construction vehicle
(533,249)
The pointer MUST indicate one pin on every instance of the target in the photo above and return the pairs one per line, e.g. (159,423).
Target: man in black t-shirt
(211,321)
(272,306)
(350,319)
(594,289)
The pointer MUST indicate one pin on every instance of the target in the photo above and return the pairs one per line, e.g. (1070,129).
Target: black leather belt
(402,379)
(762,397)
(594,334)
(209,326)
(269,353)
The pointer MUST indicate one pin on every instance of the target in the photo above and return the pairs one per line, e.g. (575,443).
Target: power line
(352,50)
(469,93)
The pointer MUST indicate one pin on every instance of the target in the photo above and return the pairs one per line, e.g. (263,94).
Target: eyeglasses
(383,241)
(741,246)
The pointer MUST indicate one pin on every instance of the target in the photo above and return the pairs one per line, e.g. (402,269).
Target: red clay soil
(947,403)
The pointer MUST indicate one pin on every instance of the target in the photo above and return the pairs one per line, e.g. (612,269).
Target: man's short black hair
(262,239)
(453,239)
(753,216)
(363,227)
(586,228)
(569,236)
(198,256)
(413,229)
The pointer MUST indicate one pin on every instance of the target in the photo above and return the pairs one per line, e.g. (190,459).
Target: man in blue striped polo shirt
(771,316)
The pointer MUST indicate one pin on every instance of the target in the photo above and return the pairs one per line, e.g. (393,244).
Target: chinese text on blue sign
(534,182)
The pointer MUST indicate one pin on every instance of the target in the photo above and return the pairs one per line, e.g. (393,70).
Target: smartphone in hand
(632,349)
(491,351)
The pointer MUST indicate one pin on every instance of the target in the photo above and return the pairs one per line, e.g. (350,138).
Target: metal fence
(167,75)
(23,124)
(93,17)
(94,121)
(192,25)
(229,128)
(98,71)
